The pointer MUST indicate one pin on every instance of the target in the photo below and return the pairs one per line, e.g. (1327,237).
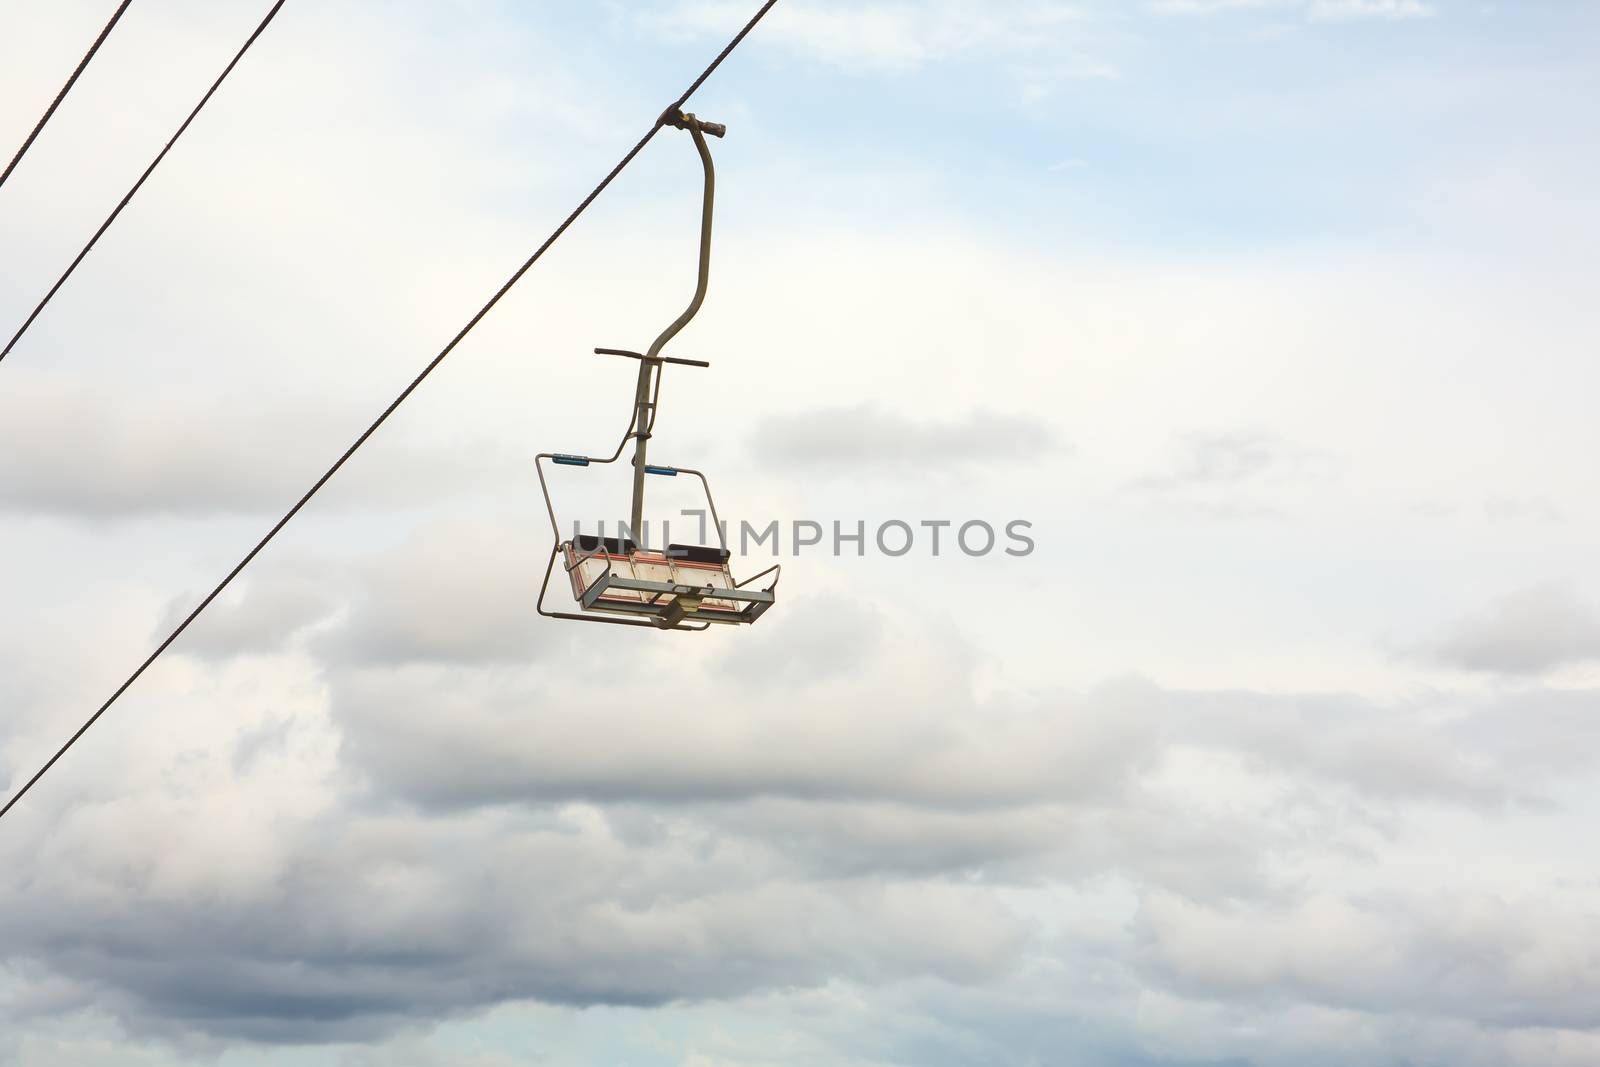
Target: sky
(1271,319)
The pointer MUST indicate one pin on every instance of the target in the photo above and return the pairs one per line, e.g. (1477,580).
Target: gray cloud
(867,437)
(647,822)
(869,839)
(1237,473)
(449,693)
(1525,632)
(1542,735)
(609,724)
(598,727)
(846,836)
(1065,841)
(462,592)
(374,922)
(1483,959)
(1393,752)
(1314,10)
(87,452)
(265,619)
(591,836)
(821,640)
(1509,508)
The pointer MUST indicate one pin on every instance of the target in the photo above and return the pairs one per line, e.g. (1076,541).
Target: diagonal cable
(116,17)
(106,225)
(390,410)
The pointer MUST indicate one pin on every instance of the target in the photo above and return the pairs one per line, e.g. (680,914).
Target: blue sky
(1132,127)
(1272,317)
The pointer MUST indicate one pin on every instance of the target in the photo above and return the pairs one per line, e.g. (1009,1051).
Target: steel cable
(106,225)
(404,394)
(116,16)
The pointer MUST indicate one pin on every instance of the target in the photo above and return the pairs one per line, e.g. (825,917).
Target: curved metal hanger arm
(698,131)
(651,364)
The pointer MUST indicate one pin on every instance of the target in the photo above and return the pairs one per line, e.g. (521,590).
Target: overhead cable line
(106,225)
(670,114)
(116,16)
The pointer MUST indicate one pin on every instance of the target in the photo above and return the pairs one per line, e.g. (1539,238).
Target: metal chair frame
(682,611)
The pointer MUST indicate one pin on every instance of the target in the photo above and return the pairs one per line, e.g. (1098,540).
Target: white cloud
(430,834)
(90,451)
(870,438)
(1315,10)
(886,37)
(1479,959)
(1336,10)
(1209,7)
(373,800)
(1236,473)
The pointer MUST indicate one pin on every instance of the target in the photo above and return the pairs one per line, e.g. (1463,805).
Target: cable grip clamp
(676,118)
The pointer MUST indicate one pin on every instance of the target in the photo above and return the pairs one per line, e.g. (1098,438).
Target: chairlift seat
(686,583)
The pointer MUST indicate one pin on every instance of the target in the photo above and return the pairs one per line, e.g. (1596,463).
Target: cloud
(867,839)
(1528,631)
(1315,10)
(1509,508)
(379,798)
(456,592)
(1484,959)
(1340,10)
(369,923)
(450,694)
(884,37)
(1378,752)
(634,824)
(1240,472)
(866,437)
(1211,7)
(599,725)
(253,622)
(83,451)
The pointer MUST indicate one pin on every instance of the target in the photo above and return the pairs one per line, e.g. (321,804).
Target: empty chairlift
(614,579)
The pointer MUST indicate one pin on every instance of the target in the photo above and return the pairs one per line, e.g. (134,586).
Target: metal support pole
(651,364)
(644,418)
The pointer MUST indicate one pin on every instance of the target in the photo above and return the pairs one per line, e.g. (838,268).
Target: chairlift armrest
(583,555)
(776,568)
(722,538)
